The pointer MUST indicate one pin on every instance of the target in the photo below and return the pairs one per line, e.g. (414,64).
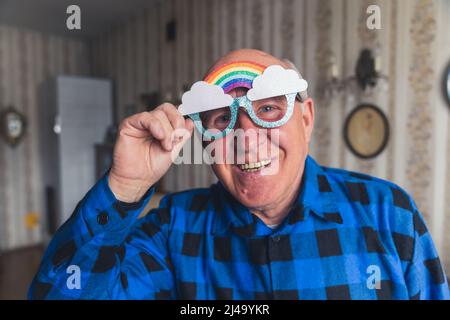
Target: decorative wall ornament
(419,125)
(366,131)
(367,77)
(12,126)
(367,73)
(323,18)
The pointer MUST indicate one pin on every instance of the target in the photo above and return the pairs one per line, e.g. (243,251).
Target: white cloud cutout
(276,81)
(203,97)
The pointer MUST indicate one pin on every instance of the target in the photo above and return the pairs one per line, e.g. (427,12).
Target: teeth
(251,167)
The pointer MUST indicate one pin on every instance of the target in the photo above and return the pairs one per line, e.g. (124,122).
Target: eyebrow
(274,98)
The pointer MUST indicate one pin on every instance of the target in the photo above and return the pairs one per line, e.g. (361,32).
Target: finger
(189,124)
(188,129)
(174,116)
(186,135)
(155,127)
(142,125)
(167,141)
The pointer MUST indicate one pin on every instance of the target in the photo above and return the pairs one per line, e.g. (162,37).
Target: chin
(255,199)
(252,188)
(256,192)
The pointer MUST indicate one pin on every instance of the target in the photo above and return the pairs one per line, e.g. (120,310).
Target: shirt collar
(315,196)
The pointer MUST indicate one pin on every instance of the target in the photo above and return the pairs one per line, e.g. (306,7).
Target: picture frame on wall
(366,131)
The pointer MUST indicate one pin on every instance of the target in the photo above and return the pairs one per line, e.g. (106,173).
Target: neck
(275,213)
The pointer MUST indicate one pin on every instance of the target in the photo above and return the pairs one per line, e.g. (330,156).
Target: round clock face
(12,126)
(366,131)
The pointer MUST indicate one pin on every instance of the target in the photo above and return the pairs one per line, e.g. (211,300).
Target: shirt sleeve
(104,252)
(425,276)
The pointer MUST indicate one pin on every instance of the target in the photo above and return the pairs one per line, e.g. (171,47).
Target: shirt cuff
(102,212)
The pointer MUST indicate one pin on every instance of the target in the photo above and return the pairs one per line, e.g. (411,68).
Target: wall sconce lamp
(367,75)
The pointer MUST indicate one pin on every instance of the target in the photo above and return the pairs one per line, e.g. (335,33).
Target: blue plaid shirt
(349,236)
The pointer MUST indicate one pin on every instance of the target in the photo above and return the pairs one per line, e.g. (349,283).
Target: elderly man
(301,231)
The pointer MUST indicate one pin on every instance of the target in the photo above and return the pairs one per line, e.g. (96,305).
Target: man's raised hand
(146,146)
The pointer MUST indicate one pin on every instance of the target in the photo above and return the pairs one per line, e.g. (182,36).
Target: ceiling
(97,16)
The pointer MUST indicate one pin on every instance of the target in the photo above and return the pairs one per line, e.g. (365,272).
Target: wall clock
(366,131)
(12,126)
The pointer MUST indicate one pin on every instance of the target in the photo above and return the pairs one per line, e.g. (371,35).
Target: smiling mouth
(255,166)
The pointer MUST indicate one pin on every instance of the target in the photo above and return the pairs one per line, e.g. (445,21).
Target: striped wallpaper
(27,58)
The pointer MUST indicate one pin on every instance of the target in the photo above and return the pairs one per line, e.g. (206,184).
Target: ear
(308,118)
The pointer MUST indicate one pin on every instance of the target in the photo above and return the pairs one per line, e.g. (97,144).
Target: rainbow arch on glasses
(234,75)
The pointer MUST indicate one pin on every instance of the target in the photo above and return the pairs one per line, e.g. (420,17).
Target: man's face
(286,147)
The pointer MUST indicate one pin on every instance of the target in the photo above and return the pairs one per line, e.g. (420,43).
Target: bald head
(259,57)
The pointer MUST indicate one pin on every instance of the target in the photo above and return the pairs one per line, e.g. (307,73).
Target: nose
(244,121)
(249,138)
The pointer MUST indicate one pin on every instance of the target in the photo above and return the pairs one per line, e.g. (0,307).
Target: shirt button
(276,239)
(102,218)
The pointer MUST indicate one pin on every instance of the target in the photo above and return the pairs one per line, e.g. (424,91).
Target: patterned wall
(27,58)
(414,48)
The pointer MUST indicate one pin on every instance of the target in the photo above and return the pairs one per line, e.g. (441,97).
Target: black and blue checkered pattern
(203,244)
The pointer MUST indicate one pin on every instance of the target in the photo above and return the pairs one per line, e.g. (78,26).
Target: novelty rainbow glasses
(269,102)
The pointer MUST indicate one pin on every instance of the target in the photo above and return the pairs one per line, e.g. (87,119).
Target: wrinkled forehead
(231,76)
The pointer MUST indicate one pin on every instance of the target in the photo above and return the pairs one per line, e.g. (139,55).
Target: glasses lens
(270,109)
(216,120)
